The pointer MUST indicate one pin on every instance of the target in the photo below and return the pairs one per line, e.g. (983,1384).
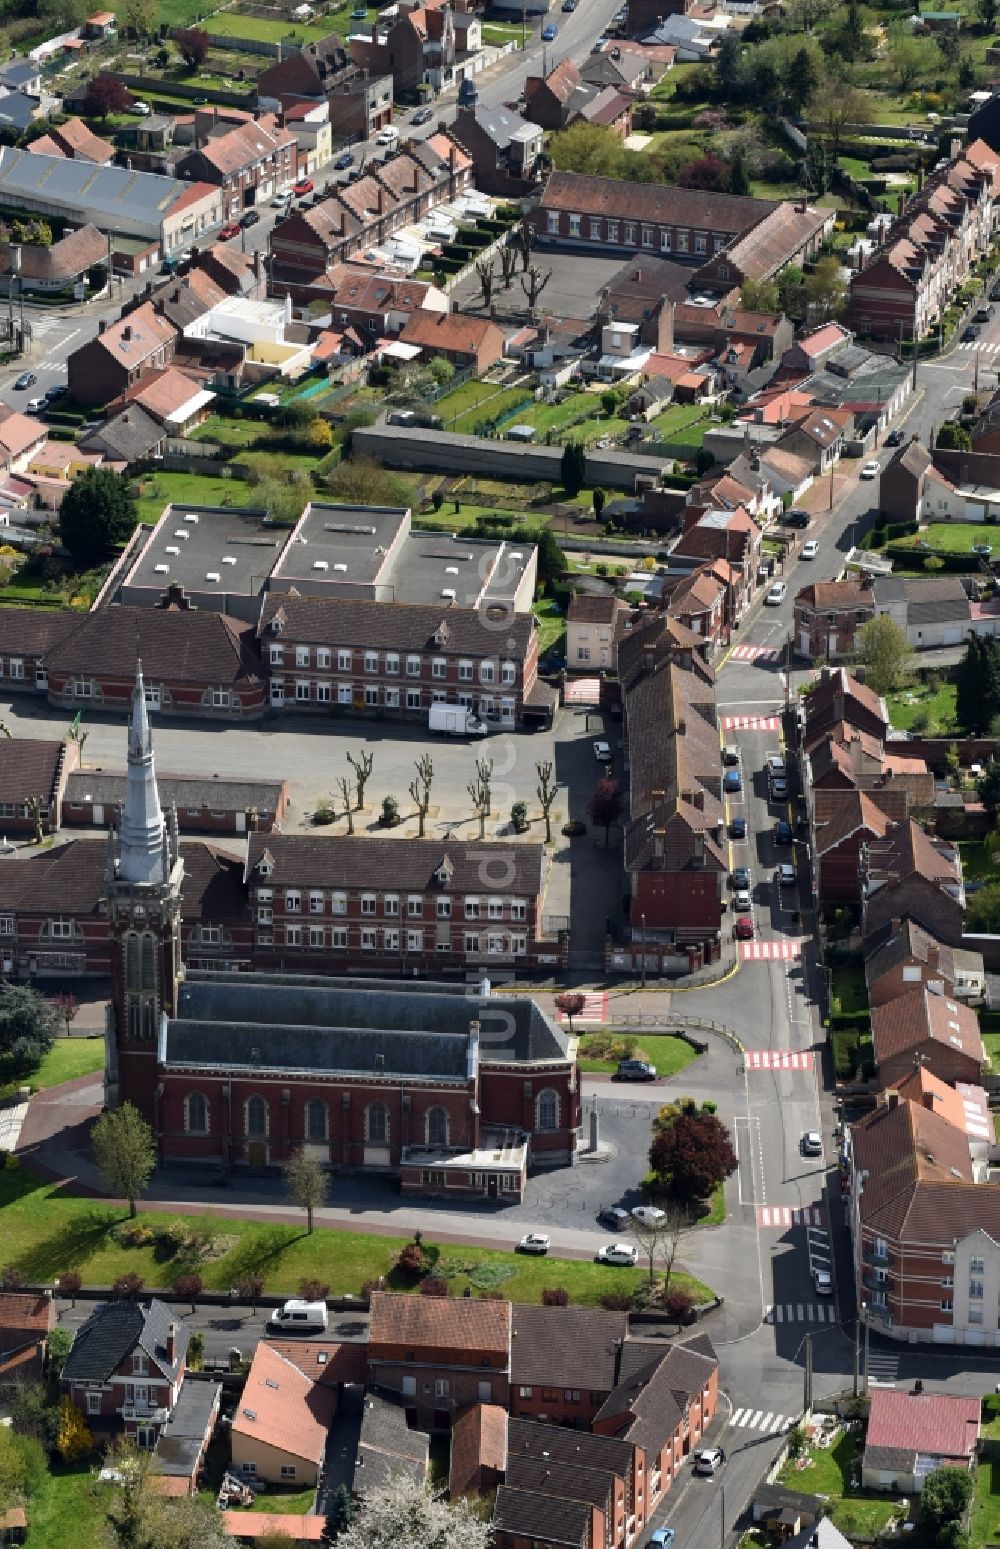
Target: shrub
(132,1234)
(173,1238)
(434,1285)
(371,1285)
(12,1278)
(519,816)
(190,1286)
(574,829)
(555,1296)
(70,1282)
(491,1296)
(196,1351)
(677,1305)
(616,1301)
(128,1286)
(313,1290)
(411,1259)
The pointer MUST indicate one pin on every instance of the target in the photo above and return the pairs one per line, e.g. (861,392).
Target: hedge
(953,564)
(852,1053)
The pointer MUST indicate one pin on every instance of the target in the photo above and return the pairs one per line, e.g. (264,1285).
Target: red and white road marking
(778,1059)
(595,1009)
(582,691)
(790,1215)
(751,723)
(769,951)
(755,653)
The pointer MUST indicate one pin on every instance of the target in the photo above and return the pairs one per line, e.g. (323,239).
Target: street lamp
(642,922)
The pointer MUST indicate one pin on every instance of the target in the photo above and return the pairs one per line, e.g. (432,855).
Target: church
(454,1091)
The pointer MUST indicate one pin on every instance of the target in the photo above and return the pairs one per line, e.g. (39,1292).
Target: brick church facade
(452,1091)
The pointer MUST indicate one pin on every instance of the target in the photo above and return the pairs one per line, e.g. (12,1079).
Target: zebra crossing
(883,1368)
(790,1215)
(595,1009)
(801,1312)
(980,349)
(779,1059)
(765,1421)
(769,951)
(751,723)
(755,653)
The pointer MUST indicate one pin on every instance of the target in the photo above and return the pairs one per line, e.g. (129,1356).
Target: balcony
(144,1414)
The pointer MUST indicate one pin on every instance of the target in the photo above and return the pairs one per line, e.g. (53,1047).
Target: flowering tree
(403,1512)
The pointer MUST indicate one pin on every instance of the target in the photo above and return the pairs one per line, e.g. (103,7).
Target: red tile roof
(283,1408)
(942,1424)
(454,1323)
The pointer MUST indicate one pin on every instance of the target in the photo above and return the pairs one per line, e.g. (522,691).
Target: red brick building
(925,1028)
(440,1358)
(126,1367)
(26,1320)
(910,874)
(827,615)
(845,821)
(249,161)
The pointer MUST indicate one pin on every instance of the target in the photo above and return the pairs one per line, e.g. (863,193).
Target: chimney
(102,324)
(892,1098)
(682,727)
(172,1343)
(933,956)
(929,1101)
(127,332)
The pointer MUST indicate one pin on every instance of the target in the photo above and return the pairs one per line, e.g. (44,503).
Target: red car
(303,186)
(230,229)
(744,928)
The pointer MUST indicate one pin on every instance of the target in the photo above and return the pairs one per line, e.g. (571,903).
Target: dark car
(782,832)
(569,5)
(549,32)
(249,218)
(970,333)
(795,519)
(731,780)
(422,116)
(894,438)
(739,877)
(983,314)
(53,394)
(26,379)
(738,828)
(343,161)
(995,293)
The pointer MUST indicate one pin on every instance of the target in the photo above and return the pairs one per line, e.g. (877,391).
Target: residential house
(366,907)
(420,44)
(818,438)
(837,697)
(34,771)
(925,1231)
(21,74)
(649,399)
(440,1354)
(74,141)
(706,601)
(911,1434)
(505,148)
(787,473)
(183,1442)
(903,956)
(359,104)
(788,233)
(26,636)
(933,610)
(469,343)
(126,438)
(126,1367)
(22,437)
(27,1318)
(564,1362)
(18,111)
(170,398)
(827,617)
(925,1027)
(592,626)
(729,535)
(375,305)
(109,364)
(846,759)
(249,162)
(282,1420)
(547,97)
(844,822)
(309,122)
(388,1449)
(693,36)
(645,291)
(79,256)
(909,874)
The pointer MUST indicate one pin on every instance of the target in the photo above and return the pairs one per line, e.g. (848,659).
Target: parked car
(142,108)
(422,116)
(983,314)
(387,136)
(343,161)
(709,1460)
(35,405)
(738,828)
(776,594)
(785,875)
(549,32)
(304,185)
(894,438)
(614,1215)
(635,1070)
(26,379)
(779,788)
(533,1242)
(823,1281)
(599,43)
(229,230)
(774,764)
(569,5)
(662,1538)
(744,928)
(795,518)
(282,199)
(54,393)
(812,1143)
(621,1253)
(249,218)
(359,13)
(810,549)
(732,781)
(970,334)
(995,292)
(602,752)
(782,832)
(730,753)
(871,470)
(984,550)
(739,877)
(741,898)
(649,1215)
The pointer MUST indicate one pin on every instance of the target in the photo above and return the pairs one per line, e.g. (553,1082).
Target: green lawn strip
(47,1231)
(468,395)
(66,1060)
(828,1472)
(668,1053)
(937,704)
(501,402)
(193,489)
(68,1509)
(848,989)
(985,1524)
(499,33)
(228,432)
(949,537)
(977,862)
(551,623)
(286,1502)
(232,25)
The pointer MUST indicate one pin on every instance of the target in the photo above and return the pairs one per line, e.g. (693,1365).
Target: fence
(152,86)
(281,50)
(670,1022)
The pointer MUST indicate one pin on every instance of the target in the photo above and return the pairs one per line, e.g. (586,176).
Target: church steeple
(142,848)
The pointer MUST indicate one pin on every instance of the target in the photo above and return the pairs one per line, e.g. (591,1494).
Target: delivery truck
(455,721)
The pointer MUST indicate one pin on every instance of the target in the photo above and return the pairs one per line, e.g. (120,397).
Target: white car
(649,1215)
(602,752)
(708,1460)
(823,1281)
(871,470)
(784,875)
(812,1143)
(533,1242)
(776,594)
(741,898)
(622,1253)
(810,549)
(142,108)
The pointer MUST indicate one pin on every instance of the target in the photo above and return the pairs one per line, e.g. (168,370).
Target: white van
(305,1317)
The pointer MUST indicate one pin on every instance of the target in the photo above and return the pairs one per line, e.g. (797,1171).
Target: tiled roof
(563,80)
(28,768)
(31,632)
(136,336)
(162,393)
(921,1016)
(452,1323)
(19,432)
(593,608)
(450,331)
(387,1447)
(544,1518)
(566,1347)
(843,813)
(282,1408)
(788,465)
(940,1424)
(25,1320)
(115,1329)
(478,1441)
(908,852)
(649,1403)
(834,684)
(774,240)
(175,647)
(325,1363)
(964,1106)
(310,1529)
(920,1181)
(402,626)
(899,942)
(835,596)
(70,879)
(244,145)
(352,861)
(586,195)
(529,1438)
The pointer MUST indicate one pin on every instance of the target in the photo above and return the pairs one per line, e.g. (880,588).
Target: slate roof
(402,627)
(547,1518)
(898,942)
(566,1347)
(31,632)
(29,768)
(565,1481)
(528,1438)
(115,1329)
(591,608)
(185,792)
(387,1446)
(650,1403)
(942,1424)
(175,646)
(127,436)
(17,110)
(351,861)
(458,1324)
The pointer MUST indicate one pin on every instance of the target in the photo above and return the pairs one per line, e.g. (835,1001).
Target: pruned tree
(250,1288)
(125,1149)
(70,1282)
(484,774)
(479,793)
(570,1003)
(36,811)
(487,279)
(345,790)
(533,281)
(546,793)
(362,766)
(605,806)
(508,266)
(661,1239)
(403,1512)
(305,1183)
(189,1285)
(420,789)
(524,236)
(128,1287)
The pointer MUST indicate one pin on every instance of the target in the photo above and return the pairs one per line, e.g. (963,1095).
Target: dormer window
(278,622)
(266,864)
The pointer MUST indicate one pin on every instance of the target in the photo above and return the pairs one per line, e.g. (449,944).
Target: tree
(73,1439)
(523,236)
(128,1287)
(250,1288)
(340,1513)
(988,788)
(194,45)
(729,71)
(605,806)
(70,1282)
(305,1183)
(950,44)
(480,791)
(825,288)
(106,95)
(907,59)
(319,434)
(533,281)
(704,172)
(139,1516)
(853,42)
(29,1025)
(420,790)
(834,105)
(591,149)
(60,1342)
(403,1512)
(598,500)
(953,437)
(362,766)
(573,468)
(569,1004)
(508,266)
(817,171)
(883,649)
(487,279)
(609,402)
(986,10)
(546,793)
(126,1152)
(944,1499)
(312,1290)
(739,174)
(68,1008)
(759,296)
(550,555)
(694,1155)
(98,512)
(661,1239)
(22,1466)
(140,17)
(801,79)
(189,1285)
(977,686)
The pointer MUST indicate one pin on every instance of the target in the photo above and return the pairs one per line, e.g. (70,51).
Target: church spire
(142,852)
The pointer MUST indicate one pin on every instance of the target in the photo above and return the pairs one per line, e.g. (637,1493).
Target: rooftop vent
(162,569)
(192,518)
(181,532)
(250,1414)
(228,559)
(213,575)
(341,568)
(448,592)
(451,570)
(516,554)
(321,564)
(171,548)
(269,1382)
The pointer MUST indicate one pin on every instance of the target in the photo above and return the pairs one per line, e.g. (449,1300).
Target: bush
(574,829)
(434,1285)
(196,1351)
(678,1306)
(173,1238)
(129,1286)
(313,1290)
(616,1301)
(132,1234)
(555,1296)
(411,1259)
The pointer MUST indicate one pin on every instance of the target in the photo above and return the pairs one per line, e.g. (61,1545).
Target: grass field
(563,422)
(47,1231)
(196,489)
(66,1060)
(985,1524)
(669,1054)
(501,401)
(828,1473)
(225,24)
(848,992)
(953,537)
(67,1510)
(937,704)
(499,33)
(551,624)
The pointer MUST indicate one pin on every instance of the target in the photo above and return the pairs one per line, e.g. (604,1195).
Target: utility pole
(864,1314)
(642,919)
(857,1355)
(807,1394)
(722,1518)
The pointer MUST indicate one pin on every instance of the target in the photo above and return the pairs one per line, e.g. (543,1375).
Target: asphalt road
(222,1328)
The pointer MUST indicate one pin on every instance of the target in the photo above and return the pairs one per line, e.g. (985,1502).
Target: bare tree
(533,282)
(508,266)
(661,1239)
(420,789)
(546,793)
(487,279)
(524,236)
(305,1183)
(362,766)
(484,774)
(480,793)
(36,808)
(345,790)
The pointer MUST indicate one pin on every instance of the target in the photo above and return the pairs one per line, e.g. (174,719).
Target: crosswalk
(765,1421)
(770,951)
(883,1368)
(595,1009)
(751,723)
(801,1312)
(980,349)
(779,1059)
(791,1215)
(755,653)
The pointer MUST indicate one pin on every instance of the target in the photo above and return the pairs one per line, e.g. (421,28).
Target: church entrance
(257,1153)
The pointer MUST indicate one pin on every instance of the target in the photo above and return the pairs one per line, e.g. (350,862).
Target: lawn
(66,1060)
(563,420)
(828,1472)
(192,489)
(502,401)
(924,706)
(228,432)
(668,1053)
(499,33)
(230,25)
(950,537)
(977,862)
(67,1511)
(551,624)
(468,395)
(681,422)
(989,1027)
(985,1524)
(848,991)
(48,1230)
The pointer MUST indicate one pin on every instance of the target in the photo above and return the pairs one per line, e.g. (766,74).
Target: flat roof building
(214,557)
